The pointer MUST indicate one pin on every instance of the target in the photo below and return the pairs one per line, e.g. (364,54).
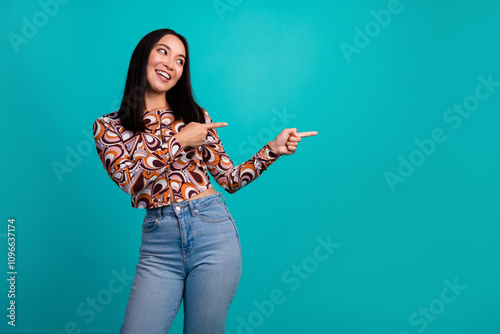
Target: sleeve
(220,166)
(132,174)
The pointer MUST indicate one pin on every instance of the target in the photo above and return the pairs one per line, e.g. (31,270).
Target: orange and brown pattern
(146,165)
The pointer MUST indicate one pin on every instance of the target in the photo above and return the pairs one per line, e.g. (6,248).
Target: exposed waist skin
(207,192)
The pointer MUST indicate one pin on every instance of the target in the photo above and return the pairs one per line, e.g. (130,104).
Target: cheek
(151,75)
(150,71)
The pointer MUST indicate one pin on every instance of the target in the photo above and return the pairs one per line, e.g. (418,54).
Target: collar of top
(153,119)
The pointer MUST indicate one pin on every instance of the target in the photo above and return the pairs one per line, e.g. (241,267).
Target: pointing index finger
(216,125)
(307,133)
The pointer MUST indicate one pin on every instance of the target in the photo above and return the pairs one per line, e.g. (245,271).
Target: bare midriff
(207,192)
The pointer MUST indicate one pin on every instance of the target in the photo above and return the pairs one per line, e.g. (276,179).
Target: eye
(163,50)
(181,61)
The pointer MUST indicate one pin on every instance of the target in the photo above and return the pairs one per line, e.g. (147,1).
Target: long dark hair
(180,97)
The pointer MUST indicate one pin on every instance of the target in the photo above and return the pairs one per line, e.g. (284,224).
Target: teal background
(251,63)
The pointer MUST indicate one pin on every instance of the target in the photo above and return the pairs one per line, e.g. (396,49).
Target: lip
(162,77)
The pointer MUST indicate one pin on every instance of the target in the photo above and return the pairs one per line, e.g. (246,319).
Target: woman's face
(166,63)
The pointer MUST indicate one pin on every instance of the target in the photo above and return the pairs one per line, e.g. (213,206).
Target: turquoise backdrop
(387,221)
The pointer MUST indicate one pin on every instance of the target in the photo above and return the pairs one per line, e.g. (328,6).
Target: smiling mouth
(163,75)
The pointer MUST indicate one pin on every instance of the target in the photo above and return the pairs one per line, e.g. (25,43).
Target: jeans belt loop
(191,207)
(223,198)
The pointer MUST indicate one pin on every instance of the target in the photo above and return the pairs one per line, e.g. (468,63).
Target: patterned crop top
(146,165)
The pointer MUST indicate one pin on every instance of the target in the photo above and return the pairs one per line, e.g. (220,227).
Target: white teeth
(164,74)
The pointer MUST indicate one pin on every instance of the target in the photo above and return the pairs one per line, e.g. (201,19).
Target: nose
(168,63)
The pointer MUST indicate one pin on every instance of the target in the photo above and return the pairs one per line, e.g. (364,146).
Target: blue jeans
(189,250)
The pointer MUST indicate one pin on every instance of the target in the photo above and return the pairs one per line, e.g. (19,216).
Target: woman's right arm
(132,174)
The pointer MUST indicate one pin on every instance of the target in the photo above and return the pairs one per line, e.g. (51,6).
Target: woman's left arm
(225,173)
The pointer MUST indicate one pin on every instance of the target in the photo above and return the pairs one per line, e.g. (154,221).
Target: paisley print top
(146,165)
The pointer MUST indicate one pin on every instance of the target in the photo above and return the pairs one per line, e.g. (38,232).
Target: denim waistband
(191,205)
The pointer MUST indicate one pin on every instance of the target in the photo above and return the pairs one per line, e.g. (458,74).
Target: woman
(157,147)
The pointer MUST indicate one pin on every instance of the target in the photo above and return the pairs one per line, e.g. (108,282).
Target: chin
(159,89)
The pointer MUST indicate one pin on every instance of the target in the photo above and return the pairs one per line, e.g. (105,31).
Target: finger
(215,125)
(294,139)
(307,133)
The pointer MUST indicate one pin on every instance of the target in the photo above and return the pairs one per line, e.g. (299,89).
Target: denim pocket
(149,223)
(216,213)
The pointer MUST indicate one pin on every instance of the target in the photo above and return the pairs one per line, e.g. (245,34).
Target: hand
(194,134)
(286,142)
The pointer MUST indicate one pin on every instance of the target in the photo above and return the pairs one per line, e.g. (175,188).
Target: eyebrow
(168,47)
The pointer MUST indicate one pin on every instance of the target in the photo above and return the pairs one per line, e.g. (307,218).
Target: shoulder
(110,120)
(207,116)
(105,124)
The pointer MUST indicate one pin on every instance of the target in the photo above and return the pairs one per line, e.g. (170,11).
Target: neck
(155,101)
